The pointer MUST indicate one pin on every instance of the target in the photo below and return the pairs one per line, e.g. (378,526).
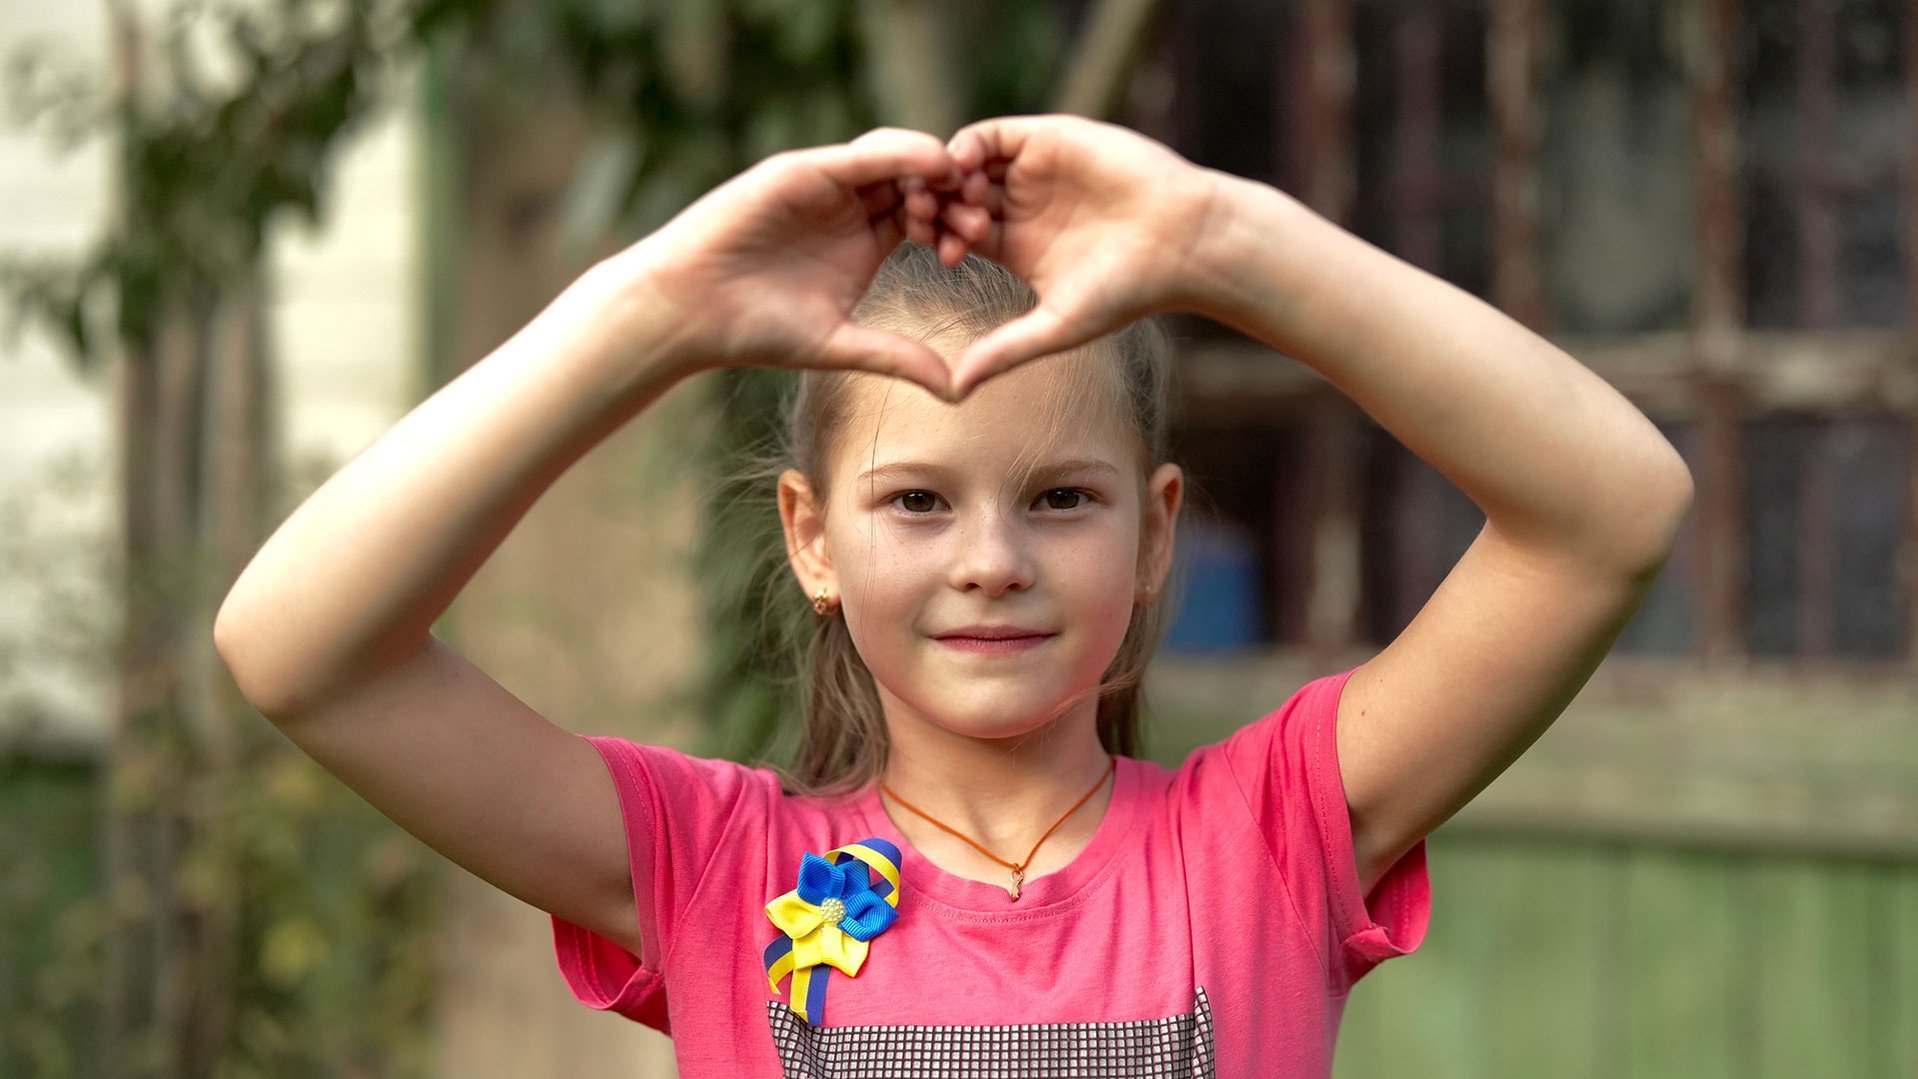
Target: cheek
(868,550)
(884,575)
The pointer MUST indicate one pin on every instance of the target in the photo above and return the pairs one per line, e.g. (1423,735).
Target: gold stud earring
(819,602)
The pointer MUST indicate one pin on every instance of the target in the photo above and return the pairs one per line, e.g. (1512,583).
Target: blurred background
(239,239)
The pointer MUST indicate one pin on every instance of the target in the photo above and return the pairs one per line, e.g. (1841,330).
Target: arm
(1582,496)
(327,631)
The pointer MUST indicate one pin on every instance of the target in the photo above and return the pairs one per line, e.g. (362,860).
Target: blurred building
(346,333)
(1709,865)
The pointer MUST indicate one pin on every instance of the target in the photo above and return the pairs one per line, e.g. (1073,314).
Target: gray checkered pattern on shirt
(1179,1047)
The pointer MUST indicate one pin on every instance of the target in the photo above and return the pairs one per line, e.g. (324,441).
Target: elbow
(226,645)
(1662,503)
(1624,525)
(1678,479)
(229,636)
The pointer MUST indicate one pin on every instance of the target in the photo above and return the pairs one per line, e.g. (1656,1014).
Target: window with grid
(1705,202)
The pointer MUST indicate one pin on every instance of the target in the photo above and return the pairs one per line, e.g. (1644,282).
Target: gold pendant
(1018,879)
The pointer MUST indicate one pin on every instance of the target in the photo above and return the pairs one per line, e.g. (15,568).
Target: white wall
(346,334)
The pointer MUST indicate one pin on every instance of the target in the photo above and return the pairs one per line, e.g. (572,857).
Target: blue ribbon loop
(867,915)
(843,901)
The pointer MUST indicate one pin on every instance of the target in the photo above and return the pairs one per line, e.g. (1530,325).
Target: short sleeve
(676,809)
(1287,766)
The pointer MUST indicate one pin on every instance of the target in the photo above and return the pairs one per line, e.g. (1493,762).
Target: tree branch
(1101,66)
(912,84)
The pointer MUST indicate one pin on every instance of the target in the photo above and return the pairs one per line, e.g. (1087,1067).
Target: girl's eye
(920,503)
(917,501)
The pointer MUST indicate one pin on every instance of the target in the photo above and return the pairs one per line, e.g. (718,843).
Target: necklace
(1018,868)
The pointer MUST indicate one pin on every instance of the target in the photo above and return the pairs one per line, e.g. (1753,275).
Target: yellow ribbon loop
(814,941)
(826,929)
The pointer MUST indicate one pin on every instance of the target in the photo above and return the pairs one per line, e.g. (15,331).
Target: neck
(1003,793)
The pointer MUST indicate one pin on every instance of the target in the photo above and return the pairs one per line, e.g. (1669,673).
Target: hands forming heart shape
(1106,225)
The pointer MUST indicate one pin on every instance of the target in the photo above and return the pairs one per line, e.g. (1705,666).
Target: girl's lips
(990,646)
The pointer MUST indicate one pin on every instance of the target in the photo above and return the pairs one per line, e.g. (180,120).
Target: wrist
(642,324)
(1239,256)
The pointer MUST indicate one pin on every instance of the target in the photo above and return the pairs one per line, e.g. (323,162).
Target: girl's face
(1017,510)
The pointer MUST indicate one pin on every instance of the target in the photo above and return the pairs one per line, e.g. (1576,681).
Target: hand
(1102,222)
(764,269)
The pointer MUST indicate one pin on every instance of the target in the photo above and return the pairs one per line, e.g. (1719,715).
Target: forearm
(1552,454)
(354,579)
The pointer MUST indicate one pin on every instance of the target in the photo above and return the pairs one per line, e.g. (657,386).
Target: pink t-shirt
(1212,926)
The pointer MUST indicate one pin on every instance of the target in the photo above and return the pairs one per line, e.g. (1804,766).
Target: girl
(976,877)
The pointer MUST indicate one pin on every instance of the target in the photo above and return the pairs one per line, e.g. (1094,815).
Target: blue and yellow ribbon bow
(827,921)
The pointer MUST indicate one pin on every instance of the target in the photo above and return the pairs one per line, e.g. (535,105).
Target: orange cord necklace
(1018,868)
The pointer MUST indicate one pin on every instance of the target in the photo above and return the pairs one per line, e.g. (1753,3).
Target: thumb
(882,352)
(1040,332)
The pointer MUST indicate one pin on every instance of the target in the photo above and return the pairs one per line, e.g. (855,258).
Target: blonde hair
(844,741)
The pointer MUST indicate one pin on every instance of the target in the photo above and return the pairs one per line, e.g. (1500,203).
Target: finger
(888,229)
(881,352)
(971,222)
(988,140)
(886,214)
(993,202)
(981,192)
(1040,332)
(952,248)
(919,230)
(974,188)
(949,184)
(887,153)
(986,244)
(919,210)
(880,198)
(920,201)
(992,146)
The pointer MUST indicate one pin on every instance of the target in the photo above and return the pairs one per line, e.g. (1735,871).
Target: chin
(992,732)
(988,709)
(994,724)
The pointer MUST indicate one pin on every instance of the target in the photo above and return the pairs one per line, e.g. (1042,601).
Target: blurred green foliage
(333,960)
(335,974)
(225,119)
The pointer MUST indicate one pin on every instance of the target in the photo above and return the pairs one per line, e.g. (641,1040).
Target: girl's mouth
(995,646)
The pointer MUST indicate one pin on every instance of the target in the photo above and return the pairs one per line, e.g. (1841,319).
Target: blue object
(1220,612)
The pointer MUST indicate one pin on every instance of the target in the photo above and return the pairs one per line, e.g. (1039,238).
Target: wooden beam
(1908,545)
(1718,305)
(1859,372)
(1512,91)
(1415,190)
(1820,758)
(1335,501)
(1814,206)
(1328,181)
(1718,315)
(1323,140)
(1814,629)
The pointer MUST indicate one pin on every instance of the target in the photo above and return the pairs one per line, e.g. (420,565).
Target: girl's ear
(805,524)
(1164,493)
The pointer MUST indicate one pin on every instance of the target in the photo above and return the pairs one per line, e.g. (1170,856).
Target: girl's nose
(992,555)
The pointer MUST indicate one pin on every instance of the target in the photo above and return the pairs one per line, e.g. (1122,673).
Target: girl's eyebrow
(1073,467)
